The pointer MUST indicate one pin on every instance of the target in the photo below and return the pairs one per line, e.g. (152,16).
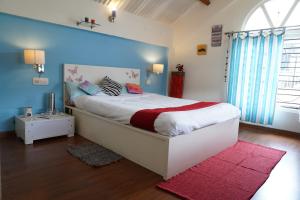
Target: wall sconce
(155,69)
(36,58)
(113,15)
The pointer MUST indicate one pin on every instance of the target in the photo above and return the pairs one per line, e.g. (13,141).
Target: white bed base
(166,156)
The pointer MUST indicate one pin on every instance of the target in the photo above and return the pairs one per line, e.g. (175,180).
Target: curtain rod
(284,27)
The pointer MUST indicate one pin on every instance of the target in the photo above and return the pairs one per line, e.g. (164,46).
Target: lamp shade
(34,57)
(158,68)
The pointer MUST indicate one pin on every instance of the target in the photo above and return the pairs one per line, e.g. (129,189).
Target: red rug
(234,174)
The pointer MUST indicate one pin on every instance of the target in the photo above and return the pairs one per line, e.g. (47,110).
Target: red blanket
(145,119)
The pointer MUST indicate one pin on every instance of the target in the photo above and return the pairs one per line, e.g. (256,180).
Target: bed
(166,155)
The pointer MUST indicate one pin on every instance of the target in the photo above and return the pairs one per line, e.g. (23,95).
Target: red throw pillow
(134,88)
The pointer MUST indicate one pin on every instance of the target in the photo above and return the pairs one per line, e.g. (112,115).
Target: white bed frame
(163,155)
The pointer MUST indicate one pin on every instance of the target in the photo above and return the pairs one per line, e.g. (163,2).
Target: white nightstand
(44,126)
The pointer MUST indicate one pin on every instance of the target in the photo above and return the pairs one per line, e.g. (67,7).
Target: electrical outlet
(40,81)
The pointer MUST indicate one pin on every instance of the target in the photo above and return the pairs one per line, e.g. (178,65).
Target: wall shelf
(87,24)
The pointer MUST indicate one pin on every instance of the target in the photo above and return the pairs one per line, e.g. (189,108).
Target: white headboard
(94,74)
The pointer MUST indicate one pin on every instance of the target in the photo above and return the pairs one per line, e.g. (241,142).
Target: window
(277,13)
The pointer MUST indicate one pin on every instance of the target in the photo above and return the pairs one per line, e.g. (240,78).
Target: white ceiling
(166,11)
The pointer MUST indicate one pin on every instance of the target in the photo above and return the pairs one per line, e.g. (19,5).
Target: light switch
(40,81)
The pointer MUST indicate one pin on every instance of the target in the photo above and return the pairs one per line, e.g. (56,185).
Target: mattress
(122,108)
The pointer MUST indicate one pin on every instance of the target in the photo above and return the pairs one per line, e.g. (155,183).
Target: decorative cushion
(134,88)
(110,87)
(89,88)
(73,91)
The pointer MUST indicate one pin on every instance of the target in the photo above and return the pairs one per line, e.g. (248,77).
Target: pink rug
(234,174)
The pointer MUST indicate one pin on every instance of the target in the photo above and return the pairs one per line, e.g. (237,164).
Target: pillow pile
(106,87)
(134,88)
(110,87)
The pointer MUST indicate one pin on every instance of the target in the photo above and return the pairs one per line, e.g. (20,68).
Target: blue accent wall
(62,45)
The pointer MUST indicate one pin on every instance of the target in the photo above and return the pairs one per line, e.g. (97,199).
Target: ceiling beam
(206,2)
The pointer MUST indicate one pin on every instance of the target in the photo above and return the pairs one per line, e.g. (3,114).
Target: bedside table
(44,126)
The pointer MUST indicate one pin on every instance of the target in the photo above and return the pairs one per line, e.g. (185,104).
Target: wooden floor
(46,171)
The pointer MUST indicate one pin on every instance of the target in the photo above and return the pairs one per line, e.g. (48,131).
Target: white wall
(67,12)
(205,74)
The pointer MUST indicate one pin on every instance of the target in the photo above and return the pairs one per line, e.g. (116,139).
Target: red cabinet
(176,84)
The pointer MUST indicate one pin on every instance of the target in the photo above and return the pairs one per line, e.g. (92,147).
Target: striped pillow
(110,87)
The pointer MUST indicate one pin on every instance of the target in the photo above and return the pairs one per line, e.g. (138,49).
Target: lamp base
(39,68)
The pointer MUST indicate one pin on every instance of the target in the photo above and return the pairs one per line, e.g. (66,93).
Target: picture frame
(201,49)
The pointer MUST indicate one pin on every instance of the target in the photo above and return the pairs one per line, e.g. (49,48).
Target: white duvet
(121,108)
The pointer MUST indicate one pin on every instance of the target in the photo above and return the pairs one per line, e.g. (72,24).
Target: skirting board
(166,156)
(6,134)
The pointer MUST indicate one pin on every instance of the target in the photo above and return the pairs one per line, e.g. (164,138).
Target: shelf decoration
(113,15)
(88,22)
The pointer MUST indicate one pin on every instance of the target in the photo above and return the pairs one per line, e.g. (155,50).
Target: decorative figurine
(180,68)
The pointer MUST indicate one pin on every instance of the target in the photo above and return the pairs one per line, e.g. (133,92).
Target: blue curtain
(254,62)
